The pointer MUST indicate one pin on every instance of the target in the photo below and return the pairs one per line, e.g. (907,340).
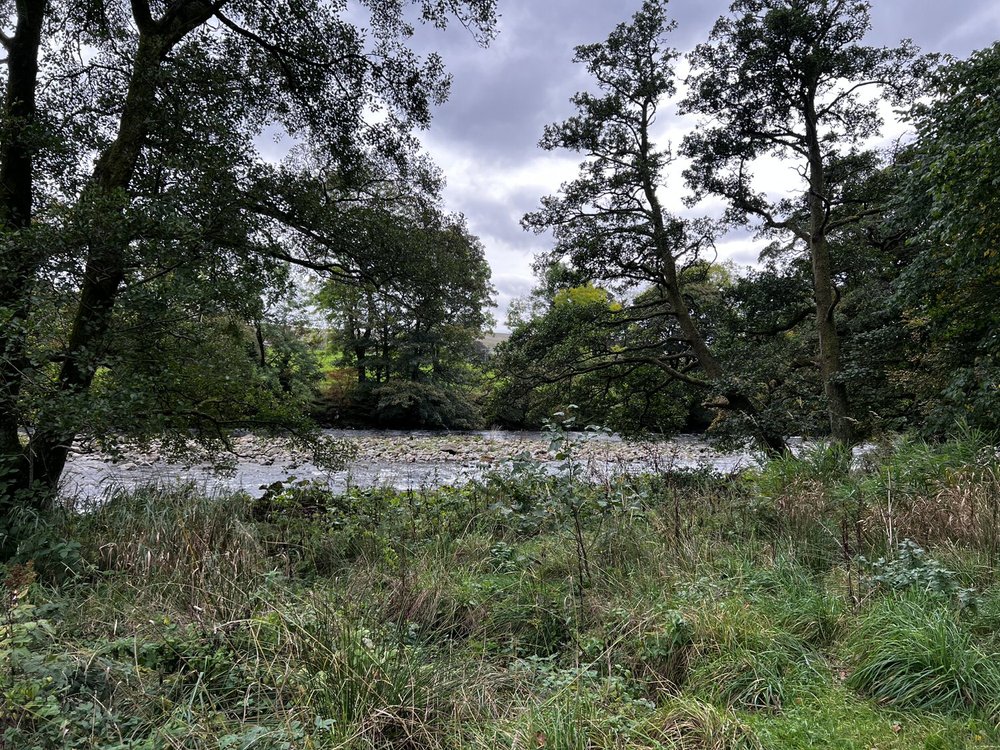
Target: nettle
(913,569)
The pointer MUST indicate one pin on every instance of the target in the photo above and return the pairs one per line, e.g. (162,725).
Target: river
(404,460)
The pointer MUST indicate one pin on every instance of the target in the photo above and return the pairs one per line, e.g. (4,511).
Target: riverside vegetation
(163,282)
(817,602)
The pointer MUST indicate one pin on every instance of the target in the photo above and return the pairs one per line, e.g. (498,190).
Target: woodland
(164,283)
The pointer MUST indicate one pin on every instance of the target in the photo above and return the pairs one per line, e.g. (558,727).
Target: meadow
(818,602)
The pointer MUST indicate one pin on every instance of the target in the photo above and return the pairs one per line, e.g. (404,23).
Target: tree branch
(143,17)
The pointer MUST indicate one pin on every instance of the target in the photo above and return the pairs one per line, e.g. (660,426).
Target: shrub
(913,569)
(405,403)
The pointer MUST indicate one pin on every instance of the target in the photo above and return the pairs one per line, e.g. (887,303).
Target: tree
(950,201)
(410,330)
(787,78)
(421,319)
(576,344)
(610,223)
(766,326)
(153,189)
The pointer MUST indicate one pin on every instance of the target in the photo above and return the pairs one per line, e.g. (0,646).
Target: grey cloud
(956,27)
(502,97)
(500,218)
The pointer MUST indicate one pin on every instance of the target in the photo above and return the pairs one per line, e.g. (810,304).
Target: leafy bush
(41,538)
(405,403)
(912,568)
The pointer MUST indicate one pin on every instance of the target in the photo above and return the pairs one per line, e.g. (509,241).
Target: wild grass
(913,652)
(723,613)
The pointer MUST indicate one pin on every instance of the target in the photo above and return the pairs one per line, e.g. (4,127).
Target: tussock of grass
(747,660)
(912,653)
(180,532)
(689,724)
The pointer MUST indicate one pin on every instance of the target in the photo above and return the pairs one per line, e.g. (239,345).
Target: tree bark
(825,294)
(19,257)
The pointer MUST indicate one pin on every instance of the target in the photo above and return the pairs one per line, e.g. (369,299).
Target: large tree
(145,116)
(421,319)
(792,79)
(610,223)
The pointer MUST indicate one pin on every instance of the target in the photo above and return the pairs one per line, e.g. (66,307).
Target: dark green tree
(575,344)
(153,196)
(421,318)
(950,294)
(789,78)
(610,224)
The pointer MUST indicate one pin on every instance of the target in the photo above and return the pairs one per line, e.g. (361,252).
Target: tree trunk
(106,198)
(19,256)
(709,363)
(824,292)
(360,358)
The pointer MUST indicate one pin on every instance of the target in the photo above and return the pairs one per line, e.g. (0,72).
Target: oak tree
(793,79)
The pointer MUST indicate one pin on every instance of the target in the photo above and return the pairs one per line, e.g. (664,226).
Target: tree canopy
(950,293)
(789,78)
(134,200)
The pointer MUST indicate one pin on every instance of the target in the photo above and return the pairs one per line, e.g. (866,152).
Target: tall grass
(913,653)
(719,612)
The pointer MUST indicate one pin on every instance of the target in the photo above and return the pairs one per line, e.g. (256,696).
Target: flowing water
(404,460)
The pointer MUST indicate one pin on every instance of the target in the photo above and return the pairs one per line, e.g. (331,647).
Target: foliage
(159,232)
(912,568)
(787,79)
(765,324)
(579,353)
(423,321)
(423,405)
(949,292)
(411,338)
(611,228)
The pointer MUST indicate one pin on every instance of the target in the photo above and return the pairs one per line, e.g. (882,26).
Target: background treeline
(873,308)
(875,304)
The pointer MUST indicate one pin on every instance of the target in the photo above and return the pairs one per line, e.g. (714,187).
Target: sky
(485,136)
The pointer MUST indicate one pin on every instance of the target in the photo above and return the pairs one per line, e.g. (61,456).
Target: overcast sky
(485,137)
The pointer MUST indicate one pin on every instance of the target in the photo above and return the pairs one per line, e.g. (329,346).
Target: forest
(169,286)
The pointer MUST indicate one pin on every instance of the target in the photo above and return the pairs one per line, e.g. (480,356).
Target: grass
(913,652)
(712,614)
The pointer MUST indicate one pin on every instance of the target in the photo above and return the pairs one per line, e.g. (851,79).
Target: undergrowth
(822,602)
